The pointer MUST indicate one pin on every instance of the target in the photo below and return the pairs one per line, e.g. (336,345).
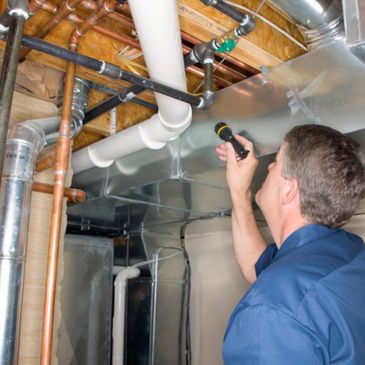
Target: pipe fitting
(80,99)
(97,161)
(177,126)
(206,101)
(209,2)
(246,26)
(4,23)
(18,8)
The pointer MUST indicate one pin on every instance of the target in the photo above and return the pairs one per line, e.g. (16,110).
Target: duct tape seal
(96,161)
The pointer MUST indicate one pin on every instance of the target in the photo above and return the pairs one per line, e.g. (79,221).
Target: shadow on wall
(217,286)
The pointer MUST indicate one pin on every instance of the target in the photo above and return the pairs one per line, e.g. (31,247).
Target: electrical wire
(259,7)
(268,22)
(158,260)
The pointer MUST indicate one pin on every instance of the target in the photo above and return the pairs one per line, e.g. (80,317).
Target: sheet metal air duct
(320,21)
(25,140)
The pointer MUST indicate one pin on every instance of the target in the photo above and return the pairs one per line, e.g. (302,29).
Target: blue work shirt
(307,306)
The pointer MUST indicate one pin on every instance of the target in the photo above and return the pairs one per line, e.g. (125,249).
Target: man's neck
(283,230)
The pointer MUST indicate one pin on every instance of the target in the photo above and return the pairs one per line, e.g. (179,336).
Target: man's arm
(248,242)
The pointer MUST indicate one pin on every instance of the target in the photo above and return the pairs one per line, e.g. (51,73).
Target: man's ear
(291,191)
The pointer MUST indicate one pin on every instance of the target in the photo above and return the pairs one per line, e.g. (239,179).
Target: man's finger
(244,142)
(231,153)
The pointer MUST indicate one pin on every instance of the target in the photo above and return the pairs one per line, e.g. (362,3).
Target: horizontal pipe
(229,10)
(108,69)
(45,163)
(126,95)
(190,38)
(72,195)
(127,22)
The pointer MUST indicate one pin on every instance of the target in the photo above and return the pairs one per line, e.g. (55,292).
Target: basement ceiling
(115,40)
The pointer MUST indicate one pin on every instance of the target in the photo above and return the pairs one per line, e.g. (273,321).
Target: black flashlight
(225,133)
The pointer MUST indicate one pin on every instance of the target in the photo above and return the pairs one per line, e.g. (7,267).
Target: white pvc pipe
(157,25)
(120,285)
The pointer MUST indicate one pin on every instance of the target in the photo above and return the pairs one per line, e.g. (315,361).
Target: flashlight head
(223,131)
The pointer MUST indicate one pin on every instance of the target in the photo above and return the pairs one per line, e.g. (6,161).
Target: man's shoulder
(286,282)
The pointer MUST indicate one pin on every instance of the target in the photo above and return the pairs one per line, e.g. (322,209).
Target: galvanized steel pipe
(22,147)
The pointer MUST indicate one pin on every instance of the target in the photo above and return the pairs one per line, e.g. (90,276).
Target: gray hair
(330,170)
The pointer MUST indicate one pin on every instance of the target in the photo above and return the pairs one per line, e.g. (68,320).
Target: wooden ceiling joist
(263,47)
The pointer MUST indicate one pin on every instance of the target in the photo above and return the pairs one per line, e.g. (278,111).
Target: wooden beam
(263,47)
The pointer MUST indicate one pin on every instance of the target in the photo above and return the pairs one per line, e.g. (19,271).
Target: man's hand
(239,172)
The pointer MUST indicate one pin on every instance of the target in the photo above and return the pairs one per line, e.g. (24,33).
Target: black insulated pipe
(242,18)
(7,77)
(208,94)
(128,94)
(208,79)
(108,69)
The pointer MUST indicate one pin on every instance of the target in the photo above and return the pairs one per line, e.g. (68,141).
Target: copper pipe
(72,195)
(51,8)
(88,4)
(220,67)
(190,38)
(128,23)
(45,163)
(63,148)
(200,73)
(66,8)
(131,42)
(121,19)
(35,5)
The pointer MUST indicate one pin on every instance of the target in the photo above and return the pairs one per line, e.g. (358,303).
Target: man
(307,302)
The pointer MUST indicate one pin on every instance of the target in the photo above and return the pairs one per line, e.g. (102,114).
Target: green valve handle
(227,46)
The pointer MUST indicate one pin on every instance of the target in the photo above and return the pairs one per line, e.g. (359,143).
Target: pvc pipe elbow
(126,273)
(96,160)
(177,126)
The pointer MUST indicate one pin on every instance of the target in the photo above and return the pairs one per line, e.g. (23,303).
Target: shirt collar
(306,234)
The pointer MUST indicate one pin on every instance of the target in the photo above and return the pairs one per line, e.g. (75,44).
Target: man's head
(330,171)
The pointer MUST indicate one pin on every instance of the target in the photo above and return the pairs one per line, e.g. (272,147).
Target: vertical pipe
(7,78)
(155,258)
(61,167)
(21,152)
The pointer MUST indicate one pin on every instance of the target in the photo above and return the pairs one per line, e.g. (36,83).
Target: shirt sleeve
(261,335)
(266,258)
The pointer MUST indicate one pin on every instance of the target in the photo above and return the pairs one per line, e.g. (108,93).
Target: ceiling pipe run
(155,20)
